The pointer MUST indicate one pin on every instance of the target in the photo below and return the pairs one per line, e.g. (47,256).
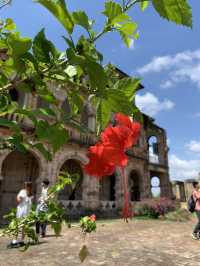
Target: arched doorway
(16,169)
(72,166)
(107,188)
(134,186)
(155,187)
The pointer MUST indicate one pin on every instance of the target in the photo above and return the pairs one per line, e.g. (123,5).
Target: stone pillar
(119,193)
(165,186)
(91,192)
(178,190)
(188,184)
(145,184)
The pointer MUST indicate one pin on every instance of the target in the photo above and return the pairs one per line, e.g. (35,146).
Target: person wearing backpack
(196,197)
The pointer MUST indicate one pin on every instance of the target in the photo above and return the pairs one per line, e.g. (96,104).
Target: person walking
(42,207)
(196,197)
(24,200)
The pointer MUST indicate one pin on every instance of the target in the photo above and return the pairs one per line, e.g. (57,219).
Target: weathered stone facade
(147,161)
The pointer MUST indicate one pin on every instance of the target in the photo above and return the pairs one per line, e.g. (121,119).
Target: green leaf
(83,253)
(56,134)
(59,10)
(144,5)
(71,71)
(81,18)
(57,227)
(44,111)
(177,11)
(43,49)
(19,45)
(97,76)
(112,10)
(129,86)
(10,25)
(10,124)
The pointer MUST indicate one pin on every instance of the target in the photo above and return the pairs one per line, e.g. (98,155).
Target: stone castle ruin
(147,170)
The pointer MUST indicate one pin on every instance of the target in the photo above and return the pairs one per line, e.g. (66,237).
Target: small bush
(179,215)
(153,208)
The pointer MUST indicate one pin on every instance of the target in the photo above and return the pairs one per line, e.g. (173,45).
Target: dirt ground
(138,243)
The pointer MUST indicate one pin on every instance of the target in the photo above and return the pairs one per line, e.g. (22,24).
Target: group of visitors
(24,205)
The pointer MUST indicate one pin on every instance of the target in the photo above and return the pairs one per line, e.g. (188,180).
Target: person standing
(196,197)
(24,200)
(42,207)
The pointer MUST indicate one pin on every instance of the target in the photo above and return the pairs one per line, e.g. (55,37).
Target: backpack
(191,204)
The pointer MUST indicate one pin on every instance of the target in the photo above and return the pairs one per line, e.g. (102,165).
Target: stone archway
(134,186)
(72,166)
(16,169)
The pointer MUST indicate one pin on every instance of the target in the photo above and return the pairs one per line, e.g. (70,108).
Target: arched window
(134,186)
(107,188)
(16,169)
(155,187)
(153,149)
(72,167)
(17,96)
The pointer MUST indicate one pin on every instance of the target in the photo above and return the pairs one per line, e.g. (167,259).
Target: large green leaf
(120,98)
(112,10)
(129,86)
(19,45)
(97,76)
(177,11)
(43,49)
(81,18)
(59,10)
(55,134)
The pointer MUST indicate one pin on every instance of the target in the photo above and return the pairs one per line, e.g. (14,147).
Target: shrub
(154,207)
(179,215)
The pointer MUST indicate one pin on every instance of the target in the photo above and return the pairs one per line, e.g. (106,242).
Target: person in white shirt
(24,200)
(42,206)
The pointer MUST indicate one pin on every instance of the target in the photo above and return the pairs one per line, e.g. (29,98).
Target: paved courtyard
(138,243)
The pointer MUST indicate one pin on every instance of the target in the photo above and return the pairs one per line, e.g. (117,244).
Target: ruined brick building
(147,169)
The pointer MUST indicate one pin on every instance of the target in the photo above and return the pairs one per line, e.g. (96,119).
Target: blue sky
(167,56)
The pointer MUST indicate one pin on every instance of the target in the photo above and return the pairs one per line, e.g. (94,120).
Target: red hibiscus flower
(124,120)
(114,140)
(99,164)
(93,218)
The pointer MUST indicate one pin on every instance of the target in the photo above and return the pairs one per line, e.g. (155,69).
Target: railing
(107,205)
(78,204)
(72,204)
(81,138)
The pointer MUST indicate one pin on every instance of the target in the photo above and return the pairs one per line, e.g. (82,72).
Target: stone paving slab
(138,243)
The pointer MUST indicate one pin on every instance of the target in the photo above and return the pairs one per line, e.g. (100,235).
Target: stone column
(119,193)
(165,186)
(91,192)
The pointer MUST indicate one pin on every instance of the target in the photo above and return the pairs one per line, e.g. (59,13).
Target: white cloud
(166,84)
(194,146)
(181,67)
(151,105)
(183,169)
